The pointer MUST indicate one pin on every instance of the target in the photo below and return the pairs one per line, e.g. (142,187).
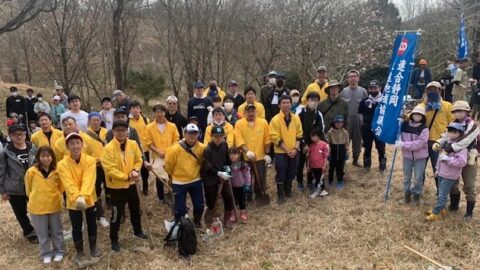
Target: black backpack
(186,237)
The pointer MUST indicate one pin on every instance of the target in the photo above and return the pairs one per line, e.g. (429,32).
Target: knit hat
(94,114)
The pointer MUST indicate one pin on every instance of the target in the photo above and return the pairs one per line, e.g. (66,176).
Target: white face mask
(460,115)
(218,123)
(40,99)
(228,106)
(272,81)
(14,94)
(417,117)
(295,99)
(312,105)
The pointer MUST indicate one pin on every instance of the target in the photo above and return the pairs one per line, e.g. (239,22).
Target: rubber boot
(367,163)
(383,164)
(94,250)
(416,200)
(197,220)
(288,188)
(469,214)
(280,193)
(407,199)
(454,202)
(355,162)
(79,248)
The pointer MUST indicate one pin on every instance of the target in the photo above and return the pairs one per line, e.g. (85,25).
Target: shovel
(210,215)
(143,217)
(88,259)
(166,184)
(264,198)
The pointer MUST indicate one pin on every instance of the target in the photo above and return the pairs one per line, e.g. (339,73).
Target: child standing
(338,140)
(414,144)
(317,158)
(449,169)
(44,190)
(241,180)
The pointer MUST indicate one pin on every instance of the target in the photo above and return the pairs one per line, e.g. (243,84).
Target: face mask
(272,81)
(433,96)
(228,106)
(295,99)
(279,83)
(374,94)
(218,123)
(213,87)
(460,115)
(312,105)
(417,118)
(40,99)
(14,94)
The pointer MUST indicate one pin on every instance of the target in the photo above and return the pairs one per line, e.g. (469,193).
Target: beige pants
(469,175)
(459,93)
(158,167)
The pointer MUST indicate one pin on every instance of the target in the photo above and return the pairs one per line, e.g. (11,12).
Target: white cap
(56,97)
(191,128)
(116,93)
(172,98)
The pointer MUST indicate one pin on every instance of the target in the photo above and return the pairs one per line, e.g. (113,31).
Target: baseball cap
(232,82)
(272,74)
(373,83)
(191,128)
(250,106)
(322,68)
(73,135)
(120,111)
(217,130)
(119,124)
(56,97)
(434,84)
(116,94)
(198,85)
(16,127)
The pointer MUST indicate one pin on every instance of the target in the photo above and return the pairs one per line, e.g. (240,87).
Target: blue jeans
(413,166)
(195,190)
(433,160)
(286,167)
(444,187)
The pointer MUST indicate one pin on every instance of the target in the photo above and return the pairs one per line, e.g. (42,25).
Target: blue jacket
(416,76)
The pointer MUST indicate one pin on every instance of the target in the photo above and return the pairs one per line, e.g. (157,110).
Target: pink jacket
(318,154)
(452,168)
(241,176)
(415,141)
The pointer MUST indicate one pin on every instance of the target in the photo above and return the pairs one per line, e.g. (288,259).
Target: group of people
(223,147)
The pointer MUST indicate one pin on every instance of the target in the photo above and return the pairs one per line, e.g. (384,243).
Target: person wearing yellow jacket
(122,161)
(183,162)
(44,190)
(286,133)
(213,90)
(48,135)
(161,134)
(319,85)
(60,147)
(98,136)
(252,136)
(78,173)
(139,122)
(219,121)
(251,98)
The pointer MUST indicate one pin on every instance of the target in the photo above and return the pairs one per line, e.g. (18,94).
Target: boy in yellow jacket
(286,133)
(78,173)
(183,162)
(122,161)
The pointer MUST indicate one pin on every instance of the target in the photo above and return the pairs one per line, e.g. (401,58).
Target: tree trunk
(117,46)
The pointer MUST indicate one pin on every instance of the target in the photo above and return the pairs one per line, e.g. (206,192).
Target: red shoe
(243,216)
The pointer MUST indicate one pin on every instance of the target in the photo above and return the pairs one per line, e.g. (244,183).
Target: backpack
(186,237)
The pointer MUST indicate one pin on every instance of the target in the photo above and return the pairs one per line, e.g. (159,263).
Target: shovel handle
(161,179)
(219,193)
(84,220)
(144,213)
(257,177)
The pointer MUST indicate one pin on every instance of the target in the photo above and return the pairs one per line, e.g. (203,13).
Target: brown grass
(349,229)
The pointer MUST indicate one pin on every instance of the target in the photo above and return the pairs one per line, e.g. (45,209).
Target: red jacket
(318,155)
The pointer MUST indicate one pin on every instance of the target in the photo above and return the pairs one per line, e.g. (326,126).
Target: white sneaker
(58,258)
(323,193)
(315,194)
(103,221)
(47,260)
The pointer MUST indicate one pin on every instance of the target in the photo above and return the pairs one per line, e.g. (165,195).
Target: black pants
(211,196)
(336,166)
(98,190)
(317,174)
(144,172)
(240,197)
(160,189)
(262,174)
(120,197)
(77,220)
(19,207)
(368,138)
(301,164)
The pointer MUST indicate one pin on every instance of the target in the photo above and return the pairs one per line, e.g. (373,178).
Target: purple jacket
(452,169)
(241,175)
(415,141)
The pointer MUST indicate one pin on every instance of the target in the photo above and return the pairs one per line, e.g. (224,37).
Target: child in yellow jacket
(44,190)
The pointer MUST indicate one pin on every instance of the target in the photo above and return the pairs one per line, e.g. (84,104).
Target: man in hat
(199,106)
(238,99)
(15,159)
(460,81)
(122,161)
(174,116)
(334,105)
(286,134)
(16,103)
(107,112)
(353,94)
(31,101)
(62,95)
(367,110)
(78,173)
(421,76)
(56,111)
(123,101)
(272,107)
(213,90)
(75,111)
(295,95)
(255,147)
(319,85)
(270,83)
(183,162)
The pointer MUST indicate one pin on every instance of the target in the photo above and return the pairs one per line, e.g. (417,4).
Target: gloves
(267,159)
(436,147)
(346,157)
(444,157)
(250,155)
(247,188)
(398,144)
(80,203)
(210,108)
(223,175)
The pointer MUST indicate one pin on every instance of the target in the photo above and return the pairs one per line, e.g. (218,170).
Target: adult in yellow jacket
(286,133)
(219,121)
(213,90)
(161,134)
(139,122)
(319,85)
(251,98)
(70,126)
(44,190)
(48,135)
(122,161)
(252,136)
(78,173)
(183,162)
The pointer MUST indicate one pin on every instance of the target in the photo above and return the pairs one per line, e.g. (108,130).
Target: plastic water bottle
(217,227)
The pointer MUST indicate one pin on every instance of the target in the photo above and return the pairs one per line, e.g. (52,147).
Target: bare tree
(23,12)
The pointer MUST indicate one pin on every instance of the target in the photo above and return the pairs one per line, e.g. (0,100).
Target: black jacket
(367,113)
(215,158)
(30,108)
(179,120)
(16,105)
(270,109)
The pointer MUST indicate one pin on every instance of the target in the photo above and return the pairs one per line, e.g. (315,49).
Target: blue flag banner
(462,52)
(385,122)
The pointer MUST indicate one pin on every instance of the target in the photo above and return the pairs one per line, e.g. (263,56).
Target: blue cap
(339,118)
(456,126)
(198,84)
(94,114)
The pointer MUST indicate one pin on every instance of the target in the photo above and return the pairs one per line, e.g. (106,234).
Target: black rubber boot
(79,248)
(383,164)
(197,220)
(454,202)
(416,200)
(407,199)
(280,193)
(288,189)
(94,250)
(355,162)
(367,162)
(469,214)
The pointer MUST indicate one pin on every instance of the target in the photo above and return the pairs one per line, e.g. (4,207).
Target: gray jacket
(12,172)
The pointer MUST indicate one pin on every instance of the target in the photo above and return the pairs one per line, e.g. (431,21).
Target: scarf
(373,100)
